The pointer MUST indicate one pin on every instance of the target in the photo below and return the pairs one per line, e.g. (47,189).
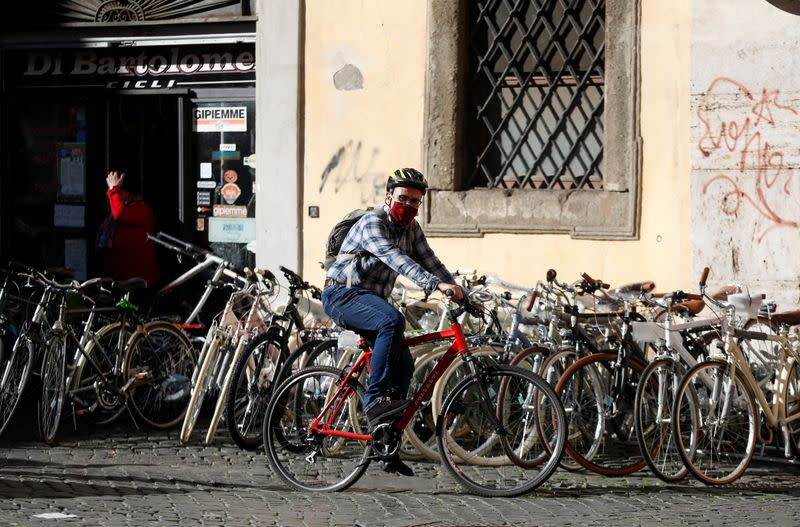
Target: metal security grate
(535,94)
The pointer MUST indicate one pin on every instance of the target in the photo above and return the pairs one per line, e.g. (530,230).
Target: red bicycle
(501,431)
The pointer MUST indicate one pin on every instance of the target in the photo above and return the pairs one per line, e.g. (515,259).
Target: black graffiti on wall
(351,163)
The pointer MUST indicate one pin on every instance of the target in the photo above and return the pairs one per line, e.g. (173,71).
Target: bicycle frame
(459,347)
(209,260)
(774,412)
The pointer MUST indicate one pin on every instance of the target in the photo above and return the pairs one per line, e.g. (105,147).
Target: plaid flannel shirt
(385,250)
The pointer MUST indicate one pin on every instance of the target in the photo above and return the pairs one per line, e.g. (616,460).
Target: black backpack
(339,233)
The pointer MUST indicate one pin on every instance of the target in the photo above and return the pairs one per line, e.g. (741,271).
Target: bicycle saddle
(131,284)
(789,318)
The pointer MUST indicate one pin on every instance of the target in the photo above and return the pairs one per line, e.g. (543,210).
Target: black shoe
(385,409)
(398,467)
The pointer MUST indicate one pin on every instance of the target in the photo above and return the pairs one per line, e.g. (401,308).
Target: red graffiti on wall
(745,135)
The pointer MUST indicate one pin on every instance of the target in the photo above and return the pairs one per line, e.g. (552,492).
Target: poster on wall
(71,168)
(75,256)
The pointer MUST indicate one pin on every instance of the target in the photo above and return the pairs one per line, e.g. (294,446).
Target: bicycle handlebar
(704,277)
(597,283)
(534,294)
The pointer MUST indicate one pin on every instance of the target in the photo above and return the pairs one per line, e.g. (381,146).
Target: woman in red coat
(131,254)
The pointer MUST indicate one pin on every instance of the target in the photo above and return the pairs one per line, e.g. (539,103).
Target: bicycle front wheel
(498,407)
(715,423)
(52,399)
(249,393)
(15,378)
(159,361)
(307,460)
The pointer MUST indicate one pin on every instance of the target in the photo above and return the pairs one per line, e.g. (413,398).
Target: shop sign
(221,119)
(207,184)
(132,67)
(204,198)
(230,211)
(231,230)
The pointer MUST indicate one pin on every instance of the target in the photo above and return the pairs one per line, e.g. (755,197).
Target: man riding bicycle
(381,245)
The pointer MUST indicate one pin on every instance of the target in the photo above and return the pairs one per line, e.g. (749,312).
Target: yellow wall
(379,128)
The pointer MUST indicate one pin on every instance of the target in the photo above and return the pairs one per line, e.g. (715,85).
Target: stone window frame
(612,213)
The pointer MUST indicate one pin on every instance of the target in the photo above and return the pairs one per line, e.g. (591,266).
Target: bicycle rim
(717,440)
(14,379)
(52,397)
(655,399)
(602,437)
(553,368)
(91,397)
(161,361)
(466,425)
(250,390)
(308,461)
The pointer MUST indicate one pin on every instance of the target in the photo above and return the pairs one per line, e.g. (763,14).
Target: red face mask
(402,213)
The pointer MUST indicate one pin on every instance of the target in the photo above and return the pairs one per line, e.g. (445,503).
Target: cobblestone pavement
(122,476)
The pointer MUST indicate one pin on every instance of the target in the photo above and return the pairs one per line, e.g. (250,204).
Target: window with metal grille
(535,94)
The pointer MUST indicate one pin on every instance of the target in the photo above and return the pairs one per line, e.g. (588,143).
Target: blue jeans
(372,317)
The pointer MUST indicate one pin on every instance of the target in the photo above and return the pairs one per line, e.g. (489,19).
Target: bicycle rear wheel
(311,461)
(15,378)
(601,413)
(478,413)
(552,369)
(715,423)
(48,415)
(655,397)
(89,389)
(161,361)
(249,392)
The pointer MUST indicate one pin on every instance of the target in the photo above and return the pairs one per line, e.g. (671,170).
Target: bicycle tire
(290,448)
(655,397)
(245,423)
(612,452)
(166,355)
(51,402)
(791,398)
(85,378)
(464,419)
(696,444)
(222,397)
(421,430)
(296,360)
(200,387)
(15,378)
(326,353)
(552,369)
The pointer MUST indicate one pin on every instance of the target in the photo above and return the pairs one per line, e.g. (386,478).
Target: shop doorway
(144,136)
(64,147)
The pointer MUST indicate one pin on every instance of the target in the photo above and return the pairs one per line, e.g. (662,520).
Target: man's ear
(387,198)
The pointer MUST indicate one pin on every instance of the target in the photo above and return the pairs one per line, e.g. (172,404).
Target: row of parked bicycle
(508,386)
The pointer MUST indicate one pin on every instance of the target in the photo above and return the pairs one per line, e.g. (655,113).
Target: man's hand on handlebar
(457,293)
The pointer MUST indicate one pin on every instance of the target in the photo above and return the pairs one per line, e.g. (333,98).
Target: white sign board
(220,119)
(231,230)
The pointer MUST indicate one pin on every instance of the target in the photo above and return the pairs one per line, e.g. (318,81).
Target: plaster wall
(355,136)
(745,132)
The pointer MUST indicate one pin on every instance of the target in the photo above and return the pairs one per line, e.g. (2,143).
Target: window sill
(596,215)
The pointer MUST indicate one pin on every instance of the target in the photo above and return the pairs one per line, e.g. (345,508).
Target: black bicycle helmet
(407,177)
